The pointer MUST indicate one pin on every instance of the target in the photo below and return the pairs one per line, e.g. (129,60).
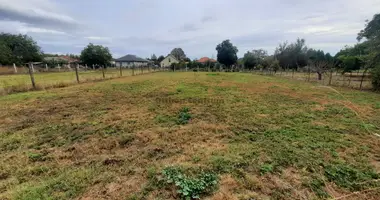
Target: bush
(376,78)
(190,187)
(184,116)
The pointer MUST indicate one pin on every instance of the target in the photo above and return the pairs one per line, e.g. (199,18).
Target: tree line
(296,56)
(20,49)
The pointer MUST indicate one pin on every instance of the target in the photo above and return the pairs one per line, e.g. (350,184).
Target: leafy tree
(160,58)
(349,63)
(227,53)
(254,58)
(319,61)
(18,49)
(372,33)
(268,61)
(5,54)
(376,78)
(249,60)
(292,55)
(187,59)
(178,53)
(154,59)
(96,55)
(275,65)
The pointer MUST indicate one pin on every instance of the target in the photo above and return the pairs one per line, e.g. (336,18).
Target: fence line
(40,78)
(355,80)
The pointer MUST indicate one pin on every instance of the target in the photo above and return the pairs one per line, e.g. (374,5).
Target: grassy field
(21,82)
(176,135)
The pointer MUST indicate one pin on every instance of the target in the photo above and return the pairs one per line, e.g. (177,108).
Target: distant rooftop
(130,58)
(206,59)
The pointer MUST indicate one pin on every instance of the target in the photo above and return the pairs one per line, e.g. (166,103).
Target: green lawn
(216,135)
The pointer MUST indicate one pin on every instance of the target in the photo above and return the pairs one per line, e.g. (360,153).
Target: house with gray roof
(128,61)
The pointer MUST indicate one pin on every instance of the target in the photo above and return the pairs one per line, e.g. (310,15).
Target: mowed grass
(129,138)
(22,82)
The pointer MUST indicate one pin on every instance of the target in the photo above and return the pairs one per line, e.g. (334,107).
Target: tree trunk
(319,76)
(331,74)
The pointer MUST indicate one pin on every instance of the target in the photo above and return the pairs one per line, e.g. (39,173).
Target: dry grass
(268,138)
(21,82)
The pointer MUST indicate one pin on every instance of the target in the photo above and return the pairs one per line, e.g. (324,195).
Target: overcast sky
(144,27)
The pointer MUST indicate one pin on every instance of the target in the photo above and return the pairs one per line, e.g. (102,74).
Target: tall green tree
(227,53)
(178,53)
(372,33)
(293,55)
(18,49)
(96,55)
(249,60)
(253,58)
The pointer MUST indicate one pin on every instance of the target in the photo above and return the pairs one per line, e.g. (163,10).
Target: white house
(168,61)
(129,61)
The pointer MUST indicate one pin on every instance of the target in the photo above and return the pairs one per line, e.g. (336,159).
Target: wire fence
(20,79)
(360,79)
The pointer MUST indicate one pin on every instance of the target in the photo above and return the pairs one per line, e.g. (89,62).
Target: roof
(206,59)
(130,58)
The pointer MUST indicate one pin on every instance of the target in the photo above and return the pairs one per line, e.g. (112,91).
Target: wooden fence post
(15,68)
(104,76)
(30,66)
(361,81)
(133,69)
(121,71)
(46,67)
(142,70)
(349,79)
(76,72)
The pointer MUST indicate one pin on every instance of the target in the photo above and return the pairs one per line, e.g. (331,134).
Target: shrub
(191,187)
(376,78)
(184,116)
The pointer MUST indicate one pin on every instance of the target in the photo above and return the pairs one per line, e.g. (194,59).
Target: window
(169,60)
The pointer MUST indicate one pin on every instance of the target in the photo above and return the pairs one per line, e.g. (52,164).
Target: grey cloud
(207,19)
(189,27)
(37,18)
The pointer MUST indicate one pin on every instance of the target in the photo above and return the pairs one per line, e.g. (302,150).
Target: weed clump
(34,157)
(190,187)
(266,168)
(184,116)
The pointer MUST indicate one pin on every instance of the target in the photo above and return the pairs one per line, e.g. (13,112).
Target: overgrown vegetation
(190,187)
(268,138)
